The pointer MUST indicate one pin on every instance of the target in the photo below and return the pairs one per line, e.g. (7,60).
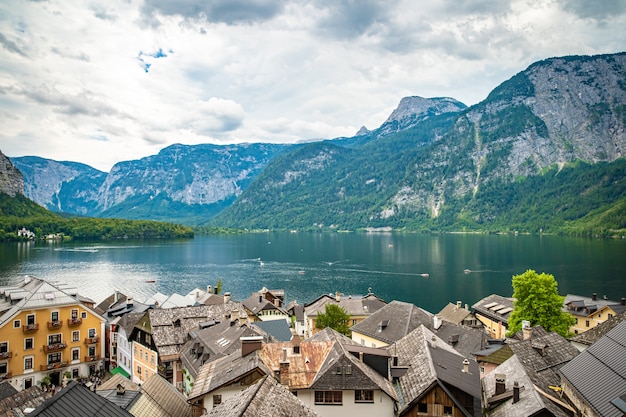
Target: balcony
(92,358)
(6,355)
(166,372)
(33,327)
(6,375)
(91,340)
(57,324)
(54,365)
(74,321)
(54,347)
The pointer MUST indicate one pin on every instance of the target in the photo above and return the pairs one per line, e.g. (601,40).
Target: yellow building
(46,330)
(493,312)
(588,312)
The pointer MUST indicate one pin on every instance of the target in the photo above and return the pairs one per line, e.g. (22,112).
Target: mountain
(11,179)
(561,118)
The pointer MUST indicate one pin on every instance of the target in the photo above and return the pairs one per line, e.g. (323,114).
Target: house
(208,297)
(225,377)
(591,311)
(76,400)
(46,329)
(159,336)
(583,340)
(265,398)
(296,312)
(357,307)
(121,332)
(329,369)
(595,381)
(492,356)
(265,305)
(457,314)
(395,320)
(493,312)
(432,378)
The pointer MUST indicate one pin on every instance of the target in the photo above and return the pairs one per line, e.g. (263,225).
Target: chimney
(250,344)
(337,296)
(437,322)
(197,294)
(120,389)
(284,369)
(515,392)
(594,296)
(209,289)
(623,301)
(129,301)
(116,295)
(500,384)
(458,305)
(260,299)
(226,297)
(467,307)
(465,366)
(527,331)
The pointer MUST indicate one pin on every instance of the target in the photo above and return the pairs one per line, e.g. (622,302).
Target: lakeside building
(493,312)
(591,311)
(47,330)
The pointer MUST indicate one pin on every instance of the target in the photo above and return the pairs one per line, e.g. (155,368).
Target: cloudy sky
(105,81)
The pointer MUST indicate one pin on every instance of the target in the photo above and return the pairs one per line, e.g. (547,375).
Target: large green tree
(537,300)
(334,317)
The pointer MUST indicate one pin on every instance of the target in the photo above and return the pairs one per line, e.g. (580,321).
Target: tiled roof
(531,401)
(257,303)
(592,335)
(159,398)
(354,306)
(393,321)
(429,360)
(598,374)
(116,379)
(265,398)
(279,329)
(14,405)
(6,390)
(454,314)
(495,307)
(76,400)
(588,305)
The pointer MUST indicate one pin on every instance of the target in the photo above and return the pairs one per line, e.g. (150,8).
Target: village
(204,353)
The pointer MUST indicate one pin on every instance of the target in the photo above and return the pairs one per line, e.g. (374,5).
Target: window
(422,408)
(339,370)
(148,339)
(17,324)
(54,358)
(363,396)
(54,316)
(217,399)
(4,368)
(74,313)
(329,397)
(575,320)
(76,336)
(76,354)
(29,343)
(482,369)
(54,338)
(28,363)
(447,410)
(75,373)
(587,323)
(83,314)
(296,350)
(354,321)
(30,319)
(348,369)
(92,351)
(139,370)
(28,382)
(92,333)
(4,347)
(152,359)
(146,374)
(610,315)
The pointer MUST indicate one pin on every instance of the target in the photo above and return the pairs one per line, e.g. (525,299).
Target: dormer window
(296,350)
(177,323)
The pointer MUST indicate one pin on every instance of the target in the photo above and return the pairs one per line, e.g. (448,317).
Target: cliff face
(11,180)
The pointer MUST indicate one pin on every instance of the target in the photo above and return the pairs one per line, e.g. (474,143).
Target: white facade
(124,351)
(381,406)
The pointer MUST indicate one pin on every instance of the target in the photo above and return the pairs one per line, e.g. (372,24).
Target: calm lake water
(427,270)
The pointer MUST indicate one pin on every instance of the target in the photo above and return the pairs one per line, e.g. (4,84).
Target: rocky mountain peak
(11,180)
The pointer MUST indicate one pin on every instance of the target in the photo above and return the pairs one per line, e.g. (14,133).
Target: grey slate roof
(265,398)
(78,401)
(393,321)
(279,329)
(431,360)
(14,405)
(6,390)
(531,402)
(584,306)
(488,307)
(598,374)
(354,306)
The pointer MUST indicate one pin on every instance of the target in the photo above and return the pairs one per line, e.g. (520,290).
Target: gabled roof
(431,361)
(454,314)
(257,303)
(598,374)
(159,398)
(116,379)
(226,371)
(532,400)
(495,307)
(354,306)
(265,398)
(128,321)
(15,404)
(588,305)
(592,335)
(78,401)
(393,321)
(279,329)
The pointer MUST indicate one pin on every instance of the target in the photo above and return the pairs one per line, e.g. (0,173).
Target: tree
(219,286)
(537,300)
(334,317)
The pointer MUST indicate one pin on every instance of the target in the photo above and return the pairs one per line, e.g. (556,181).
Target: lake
(427,270)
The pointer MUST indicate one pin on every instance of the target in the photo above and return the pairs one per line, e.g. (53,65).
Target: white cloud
(109,81)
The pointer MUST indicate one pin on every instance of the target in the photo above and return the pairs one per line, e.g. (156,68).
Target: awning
(120,370)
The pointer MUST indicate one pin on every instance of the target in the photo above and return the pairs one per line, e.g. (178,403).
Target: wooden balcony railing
(6,355)
(91,340)
(54,347)
(30,327)
(74,321)
(6,375)
(57,324)
(92,358)
(54,365)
